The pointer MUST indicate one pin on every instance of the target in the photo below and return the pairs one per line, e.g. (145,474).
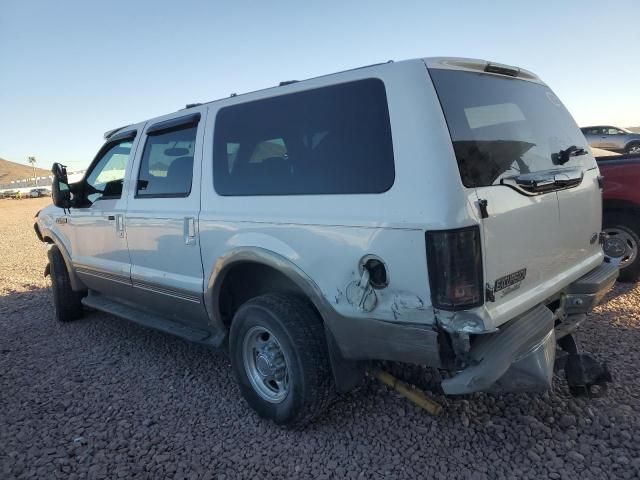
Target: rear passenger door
(162,218)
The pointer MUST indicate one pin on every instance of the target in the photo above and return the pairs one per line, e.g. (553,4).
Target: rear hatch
(535,181)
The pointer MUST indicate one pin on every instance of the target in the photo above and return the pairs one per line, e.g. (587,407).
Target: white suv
(443,212)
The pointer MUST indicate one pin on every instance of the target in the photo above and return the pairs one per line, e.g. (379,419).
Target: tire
(67,304)
(306,388)
(623,243)
(633,148)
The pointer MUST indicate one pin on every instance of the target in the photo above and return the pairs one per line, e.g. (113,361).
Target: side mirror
(60,193)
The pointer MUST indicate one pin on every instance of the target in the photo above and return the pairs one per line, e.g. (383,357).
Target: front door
(99,245)
(162,218)
(611,138)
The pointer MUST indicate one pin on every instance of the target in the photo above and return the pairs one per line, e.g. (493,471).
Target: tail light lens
(455,268)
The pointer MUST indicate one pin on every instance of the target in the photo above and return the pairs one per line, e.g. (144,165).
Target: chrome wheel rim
(620,246)
(634,149)
(265,364)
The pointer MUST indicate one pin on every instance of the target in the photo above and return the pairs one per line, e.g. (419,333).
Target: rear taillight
(455,268)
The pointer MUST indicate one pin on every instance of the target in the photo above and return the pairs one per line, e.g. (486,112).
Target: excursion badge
(510,280)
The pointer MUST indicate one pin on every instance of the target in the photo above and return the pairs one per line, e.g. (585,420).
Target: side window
(612,131)
(106,177)
(330,140)
(166,169)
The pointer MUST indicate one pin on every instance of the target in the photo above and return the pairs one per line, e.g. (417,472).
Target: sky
(71,70)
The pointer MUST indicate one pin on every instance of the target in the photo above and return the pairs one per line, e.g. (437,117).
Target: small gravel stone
(573,455)
(103,398)
(567,421)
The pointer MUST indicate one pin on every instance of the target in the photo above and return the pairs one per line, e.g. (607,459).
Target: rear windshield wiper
(545,181)
(563,156)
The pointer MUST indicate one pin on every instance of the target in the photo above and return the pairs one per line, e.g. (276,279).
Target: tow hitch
(583,371)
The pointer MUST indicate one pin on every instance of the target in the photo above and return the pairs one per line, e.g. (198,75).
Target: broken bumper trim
(519,357)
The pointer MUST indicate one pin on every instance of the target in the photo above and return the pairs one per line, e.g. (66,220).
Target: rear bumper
(521,356)
(585,293)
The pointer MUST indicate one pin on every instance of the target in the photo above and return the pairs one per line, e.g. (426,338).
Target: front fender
(52,238)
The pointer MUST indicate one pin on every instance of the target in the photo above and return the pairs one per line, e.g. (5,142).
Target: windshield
(502,127)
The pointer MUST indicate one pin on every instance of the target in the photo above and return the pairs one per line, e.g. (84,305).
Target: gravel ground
(104,398)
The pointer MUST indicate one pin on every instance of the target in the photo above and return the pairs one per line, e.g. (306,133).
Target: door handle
(119,225)
(189,231)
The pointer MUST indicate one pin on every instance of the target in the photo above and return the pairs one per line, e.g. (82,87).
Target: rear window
(329,140)
(503,127)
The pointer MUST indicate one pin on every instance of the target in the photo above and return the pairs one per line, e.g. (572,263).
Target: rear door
(162,218)
(542,207)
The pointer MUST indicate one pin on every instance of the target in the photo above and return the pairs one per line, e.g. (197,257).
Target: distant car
(621,213)
(39,192)
(613,138)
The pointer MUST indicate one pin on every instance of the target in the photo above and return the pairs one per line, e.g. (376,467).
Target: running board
(144,317)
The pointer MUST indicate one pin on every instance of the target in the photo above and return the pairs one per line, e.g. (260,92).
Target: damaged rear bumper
(521,356)
(518,358)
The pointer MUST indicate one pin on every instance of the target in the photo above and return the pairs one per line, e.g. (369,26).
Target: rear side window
(329,140)
(502,127)
(166,169)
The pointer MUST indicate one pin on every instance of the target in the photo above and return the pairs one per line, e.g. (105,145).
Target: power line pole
(32,161)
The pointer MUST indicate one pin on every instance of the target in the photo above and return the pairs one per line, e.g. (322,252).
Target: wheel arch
(347,373)
(52,240)
(631,142)
(263,260)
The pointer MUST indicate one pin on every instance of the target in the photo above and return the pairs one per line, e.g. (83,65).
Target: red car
(621,214)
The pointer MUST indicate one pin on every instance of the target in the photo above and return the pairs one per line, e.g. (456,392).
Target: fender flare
(262,256)
(347,373)
(54,240)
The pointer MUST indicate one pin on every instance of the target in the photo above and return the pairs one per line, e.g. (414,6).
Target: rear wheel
(633,148)
(623,243)
(280,359)
(67,304)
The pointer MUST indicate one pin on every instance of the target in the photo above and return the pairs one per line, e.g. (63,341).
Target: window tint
(329,140)
(107,175)
(166,169)
(503,127)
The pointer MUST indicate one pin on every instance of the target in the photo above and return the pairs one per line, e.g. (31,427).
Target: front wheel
(67,304)
(622,244)
(280,359)
(633,148)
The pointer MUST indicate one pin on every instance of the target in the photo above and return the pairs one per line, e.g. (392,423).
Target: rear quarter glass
(502,126)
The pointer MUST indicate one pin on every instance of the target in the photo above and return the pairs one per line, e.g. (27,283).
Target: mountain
(10,171)
(634,129)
